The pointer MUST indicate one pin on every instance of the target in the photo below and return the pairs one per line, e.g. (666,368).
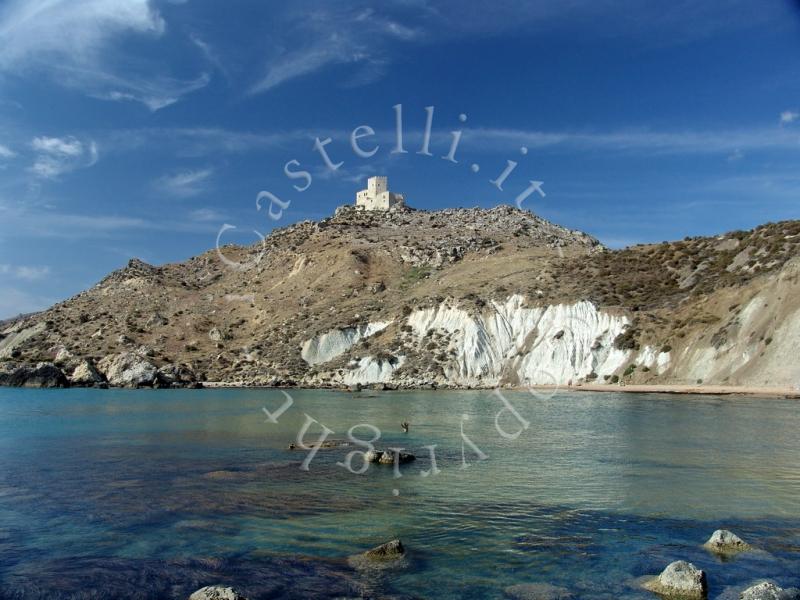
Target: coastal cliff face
(459,298)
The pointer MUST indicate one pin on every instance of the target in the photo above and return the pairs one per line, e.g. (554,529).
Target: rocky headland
(458,298)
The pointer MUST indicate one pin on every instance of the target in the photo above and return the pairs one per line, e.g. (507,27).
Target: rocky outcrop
(128,370)
(768,591)
(43,375)
(723,541)
(85,374)
(681,580)
(216,592)
(538,591)
(176,376)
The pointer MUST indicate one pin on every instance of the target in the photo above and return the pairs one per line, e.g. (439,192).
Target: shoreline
(699,390)
(680,389)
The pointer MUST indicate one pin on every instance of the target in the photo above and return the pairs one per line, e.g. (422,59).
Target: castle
(377,196)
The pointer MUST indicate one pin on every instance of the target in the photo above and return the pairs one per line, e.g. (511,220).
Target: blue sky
(134,128)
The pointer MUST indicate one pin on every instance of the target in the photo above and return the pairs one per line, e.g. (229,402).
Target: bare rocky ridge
(459,297)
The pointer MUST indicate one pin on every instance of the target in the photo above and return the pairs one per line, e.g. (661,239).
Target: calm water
(152,494)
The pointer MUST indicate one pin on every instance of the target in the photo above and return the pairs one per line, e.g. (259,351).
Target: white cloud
(6,152)
(184,184)
(56,156)
(657,142)
(24,272)
(789,116)
(74,43)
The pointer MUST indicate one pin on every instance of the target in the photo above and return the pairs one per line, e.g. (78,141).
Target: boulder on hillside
(723,541)
(43,375)
(128,370)
(216,592)
(680,580)
(85,374)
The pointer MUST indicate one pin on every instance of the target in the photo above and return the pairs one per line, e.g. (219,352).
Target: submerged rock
(723,541)
(389,551)
(216,592)
(768,591)
(387,457)
(538,591)
(680,580)
(391,555)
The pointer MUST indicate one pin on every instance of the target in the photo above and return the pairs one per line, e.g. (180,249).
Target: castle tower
(377,195)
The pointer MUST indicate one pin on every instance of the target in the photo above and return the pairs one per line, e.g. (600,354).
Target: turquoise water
(152,494)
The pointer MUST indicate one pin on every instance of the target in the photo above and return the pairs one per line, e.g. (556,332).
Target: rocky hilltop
(452,298)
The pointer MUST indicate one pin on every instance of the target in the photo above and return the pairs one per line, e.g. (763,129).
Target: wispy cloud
(74,43)
(6,152)
(24,272)
(663,142)
(338,35)
(323,34)
(184,184)
(206,215)
(55,156)
(789,116)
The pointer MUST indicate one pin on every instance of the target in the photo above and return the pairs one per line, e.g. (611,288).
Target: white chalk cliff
(508,343)
(336,342)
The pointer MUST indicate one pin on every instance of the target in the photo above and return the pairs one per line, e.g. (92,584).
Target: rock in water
(538,591)
(216,592)
(723,541)
(388,551)
(768,591)
(127,370)
(680,580)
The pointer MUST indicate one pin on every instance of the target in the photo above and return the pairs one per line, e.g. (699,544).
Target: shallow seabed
(153,494)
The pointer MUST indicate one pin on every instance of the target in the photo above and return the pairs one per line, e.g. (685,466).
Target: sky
(158,128)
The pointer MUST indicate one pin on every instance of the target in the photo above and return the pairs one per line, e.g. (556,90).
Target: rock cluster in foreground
(216,592)
(680,580)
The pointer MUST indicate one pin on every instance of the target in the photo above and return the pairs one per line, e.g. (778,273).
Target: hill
(460,297)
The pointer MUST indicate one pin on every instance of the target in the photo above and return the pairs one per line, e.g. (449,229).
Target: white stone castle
(377,196)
